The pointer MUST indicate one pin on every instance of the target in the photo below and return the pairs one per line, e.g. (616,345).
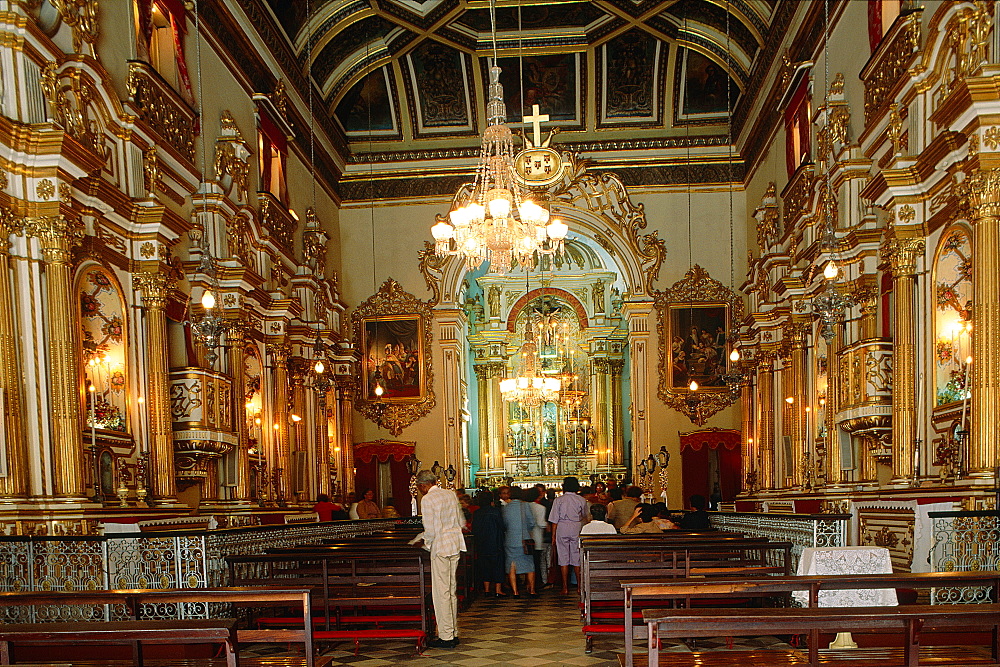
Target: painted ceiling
(413,71)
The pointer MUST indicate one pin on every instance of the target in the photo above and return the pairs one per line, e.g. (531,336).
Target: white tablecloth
(847,560)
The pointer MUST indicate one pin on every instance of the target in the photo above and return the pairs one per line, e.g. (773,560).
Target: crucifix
(535,120)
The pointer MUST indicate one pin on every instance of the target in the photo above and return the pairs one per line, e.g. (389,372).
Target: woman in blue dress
(518,520)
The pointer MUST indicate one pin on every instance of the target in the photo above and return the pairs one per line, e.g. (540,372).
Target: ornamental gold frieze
(889,62)
(81,17)
(981,192)
(768,217)
(162,109)
(200,398)
(966,45)
(232,159)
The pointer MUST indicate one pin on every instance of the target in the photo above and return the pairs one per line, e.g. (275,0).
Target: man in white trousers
(442,536)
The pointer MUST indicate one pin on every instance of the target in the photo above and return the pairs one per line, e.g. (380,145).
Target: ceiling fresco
(406,70)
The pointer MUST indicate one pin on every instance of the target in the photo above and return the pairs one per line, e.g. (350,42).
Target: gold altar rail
(277,221)
(160,107)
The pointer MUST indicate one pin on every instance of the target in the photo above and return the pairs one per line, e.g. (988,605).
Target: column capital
(491,369)
(902,254)
(56,234)
(9,224)
(155,287)
(280,352)
(982,193)
(795,334)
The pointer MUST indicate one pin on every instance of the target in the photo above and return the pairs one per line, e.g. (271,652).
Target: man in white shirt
(442,536)
(598,526)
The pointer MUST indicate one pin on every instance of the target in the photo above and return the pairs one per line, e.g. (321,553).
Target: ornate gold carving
(973,145)
(147,250)
(3,180)
(907,214)
(56,234)
(991,137)
(65,193)
(314,244)
(490,370)
(150,171)
(895,130)
(889,63)
(902,255)
(392,299)
(69,98)
(276,220)
(768,218)
(81,17)
(45,189)
(232,158)
(432,269)
(155,287)
(605,194)
(837,85)
(981,193)
(162,109)
(967,38)
(279,98)
(696,288)
(238,241)
(798,194)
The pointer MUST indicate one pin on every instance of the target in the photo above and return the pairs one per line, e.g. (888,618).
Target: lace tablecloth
(847,560)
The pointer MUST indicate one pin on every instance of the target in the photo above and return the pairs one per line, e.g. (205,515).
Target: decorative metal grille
(190,560)
(965,542)
(802,530)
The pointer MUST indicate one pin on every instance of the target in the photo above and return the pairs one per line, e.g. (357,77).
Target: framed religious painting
(696,318)
(392,334)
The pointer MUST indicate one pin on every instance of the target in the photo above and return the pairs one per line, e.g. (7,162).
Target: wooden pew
(909,620)
(650,590)
(606,565)
(133,600)
(355,582)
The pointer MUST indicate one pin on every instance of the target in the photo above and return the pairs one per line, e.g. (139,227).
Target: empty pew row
(690,622)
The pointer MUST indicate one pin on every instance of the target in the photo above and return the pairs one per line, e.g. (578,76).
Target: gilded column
(984,438)
(491,414)
(600,414)
(834,461)
(796,335)
(765,440)
(155,287)
(279,418)
(322,388)
(56,236)
(747,451)
(616,438)
(237,367)
(296,476)
(903,255)
(15,484)
(345,459)
(867,299)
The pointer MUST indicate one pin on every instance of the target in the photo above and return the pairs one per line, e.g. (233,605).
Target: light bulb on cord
(208,300)
(831,270)
(319,367)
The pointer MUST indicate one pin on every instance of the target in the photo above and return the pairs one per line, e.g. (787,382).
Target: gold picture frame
(392,333)
(695,318)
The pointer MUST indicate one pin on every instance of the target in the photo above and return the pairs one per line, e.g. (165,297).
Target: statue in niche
(616,302)
(597,296)
(107,470)
(493,300)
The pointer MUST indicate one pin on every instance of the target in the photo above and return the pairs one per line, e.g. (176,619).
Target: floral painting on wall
(103,338)
(952,316)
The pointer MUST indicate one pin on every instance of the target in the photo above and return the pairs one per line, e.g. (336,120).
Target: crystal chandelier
(530,387)
(496,221)
(211,327)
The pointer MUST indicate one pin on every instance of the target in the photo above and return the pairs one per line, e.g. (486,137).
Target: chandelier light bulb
(378,389)
(498,202)
(319,367)
(830,272)
(557,230)
(442,231)
(91,388)
(789,399)
(968,360)
(693,386)
(734,355)
(208,300)
(277,427)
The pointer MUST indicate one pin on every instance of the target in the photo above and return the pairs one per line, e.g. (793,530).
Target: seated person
(598,526)
(326,509)
(642,521)
(697,519)
(662,517)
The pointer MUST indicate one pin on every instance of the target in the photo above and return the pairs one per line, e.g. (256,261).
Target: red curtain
(695,452)
(368,455)
(797,124)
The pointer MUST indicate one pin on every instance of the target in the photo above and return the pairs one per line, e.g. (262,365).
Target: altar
(549,468)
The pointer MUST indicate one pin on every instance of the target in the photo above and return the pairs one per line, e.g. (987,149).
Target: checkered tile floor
(508,632)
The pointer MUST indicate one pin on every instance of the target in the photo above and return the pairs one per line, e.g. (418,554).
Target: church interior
(253,252)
